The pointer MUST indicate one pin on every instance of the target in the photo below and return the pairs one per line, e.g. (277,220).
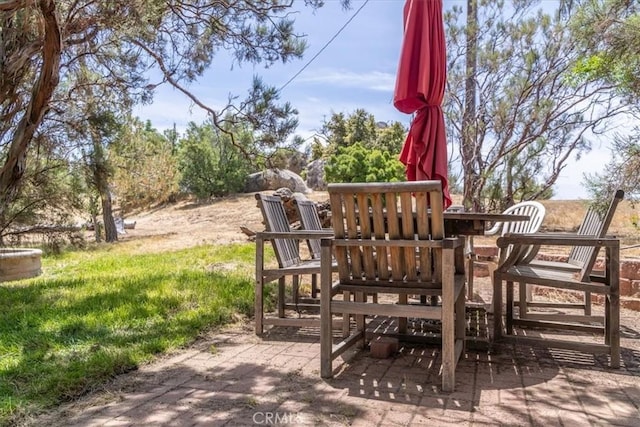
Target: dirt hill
(188,223)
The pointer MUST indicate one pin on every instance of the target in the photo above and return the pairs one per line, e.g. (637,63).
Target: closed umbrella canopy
(420,83)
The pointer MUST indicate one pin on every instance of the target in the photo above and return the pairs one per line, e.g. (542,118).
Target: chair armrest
(297,235)
(555,240)
(494,230)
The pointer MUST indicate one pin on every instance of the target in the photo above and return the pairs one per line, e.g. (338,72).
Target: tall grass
(92,315)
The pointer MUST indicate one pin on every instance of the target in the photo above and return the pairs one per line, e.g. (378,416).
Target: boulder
(273,179)
(315,175)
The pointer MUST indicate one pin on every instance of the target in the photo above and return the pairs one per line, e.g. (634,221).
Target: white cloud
(372,80)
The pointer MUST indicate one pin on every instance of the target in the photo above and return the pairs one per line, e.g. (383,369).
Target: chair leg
(470,276)
(509,308)
(346,317)
(259,306)
(448,317)
(314,286)
(607,321)
(461,320)
(497,306)
(281,296)
(587,303)
(326,319)
(613,326)
(471,256)
(523,297)
(295,290)
(360,319)
(402,321)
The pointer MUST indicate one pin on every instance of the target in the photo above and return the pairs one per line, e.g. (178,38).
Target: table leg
(471,256)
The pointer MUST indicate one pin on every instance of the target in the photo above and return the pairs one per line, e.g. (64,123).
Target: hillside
(187,223)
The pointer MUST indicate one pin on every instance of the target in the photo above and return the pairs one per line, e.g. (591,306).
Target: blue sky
(357,70)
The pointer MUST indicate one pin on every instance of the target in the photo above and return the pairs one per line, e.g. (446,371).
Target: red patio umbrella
(420,84)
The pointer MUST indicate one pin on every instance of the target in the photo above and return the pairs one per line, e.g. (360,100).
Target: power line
(324,47)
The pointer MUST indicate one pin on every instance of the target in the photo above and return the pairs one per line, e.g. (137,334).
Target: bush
(210,164)
(359,164)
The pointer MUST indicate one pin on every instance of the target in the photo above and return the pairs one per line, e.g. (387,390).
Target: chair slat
(377,213)
(275,216)
(310,220)
(601,227)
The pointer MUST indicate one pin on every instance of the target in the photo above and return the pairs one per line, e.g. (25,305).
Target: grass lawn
(99,313)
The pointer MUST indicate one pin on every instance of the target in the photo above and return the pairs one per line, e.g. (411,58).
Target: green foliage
(390,138)
(209,163)
(317,149)
(608,30)
(532,116)
(270,123)
(146,170)
(621,173)
(360,126)
(357,163)
(93,315)
(51,194)
(63,59)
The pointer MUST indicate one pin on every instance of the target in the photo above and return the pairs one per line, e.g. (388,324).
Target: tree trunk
(101,180)
(110,231)
(471,198)
(13,169)
(97,228)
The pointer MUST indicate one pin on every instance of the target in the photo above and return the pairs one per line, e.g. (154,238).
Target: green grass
(93,315)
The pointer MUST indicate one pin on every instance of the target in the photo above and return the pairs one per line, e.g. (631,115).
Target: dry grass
(187,223)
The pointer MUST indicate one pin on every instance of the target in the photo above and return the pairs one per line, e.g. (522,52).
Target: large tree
(344,130)
(359,148)
(44,44)
(145,165)
(610,32)
(621,172)
(526,116)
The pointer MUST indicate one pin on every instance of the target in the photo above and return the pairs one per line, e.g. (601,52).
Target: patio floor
(234,378)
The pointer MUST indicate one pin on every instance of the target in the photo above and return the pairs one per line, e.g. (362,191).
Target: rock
(315,175)
(273,179)
(288,199)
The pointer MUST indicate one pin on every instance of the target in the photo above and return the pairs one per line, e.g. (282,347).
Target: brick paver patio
(235,378)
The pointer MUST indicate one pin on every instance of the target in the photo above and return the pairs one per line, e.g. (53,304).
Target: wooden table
(474,223)
(469,224)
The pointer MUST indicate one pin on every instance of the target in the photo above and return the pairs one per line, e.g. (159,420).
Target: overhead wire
(324,47)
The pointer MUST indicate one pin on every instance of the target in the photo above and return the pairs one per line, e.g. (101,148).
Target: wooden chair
(536,212)
(386,242)
(577,275)
(285,243)
(594,224)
